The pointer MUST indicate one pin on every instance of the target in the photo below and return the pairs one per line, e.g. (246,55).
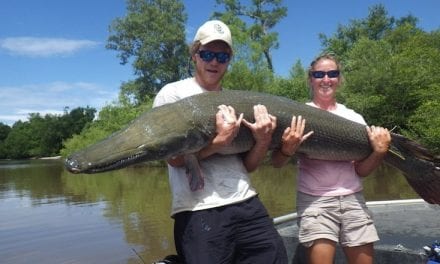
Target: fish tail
(414,148)
(419,166)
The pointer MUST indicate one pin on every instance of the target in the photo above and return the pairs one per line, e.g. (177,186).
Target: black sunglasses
(207,55)
(321,74)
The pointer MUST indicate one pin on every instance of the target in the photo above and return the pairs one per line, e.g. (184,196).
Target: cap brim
(208,40)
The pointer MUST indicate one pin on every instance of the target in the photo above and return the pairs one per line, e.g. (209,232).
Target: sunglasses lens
(206,55)
(318,74)
(333,74)
(222,57)
(321,74)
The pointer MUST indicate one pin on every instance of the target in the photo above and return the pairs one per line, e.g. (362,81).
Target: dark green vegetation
(42,136)
(390,65)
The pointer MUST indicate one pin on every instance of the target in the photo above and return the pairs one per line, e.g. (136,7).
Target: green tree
(152,34)
(43,136)
(111,118)
(59,128)
(257,36)
(295,86)
(242,77)
(424,124)
(38,126)
(368,81)
(390,68)
(4,132)
(375,27)
(18,143)
(74,121)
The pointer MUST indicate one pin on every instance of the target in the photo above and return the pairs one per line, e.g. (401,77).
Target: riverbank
(50,158)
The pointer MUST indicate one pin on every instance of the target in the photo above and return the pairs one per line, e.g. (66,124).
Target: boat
(407,229)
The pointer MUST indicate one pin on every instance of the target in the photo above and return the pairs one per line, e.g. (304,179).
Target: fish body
(186,126)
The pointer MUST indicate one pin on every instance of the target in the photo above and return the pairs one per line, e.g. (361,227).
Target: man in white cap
(222,220)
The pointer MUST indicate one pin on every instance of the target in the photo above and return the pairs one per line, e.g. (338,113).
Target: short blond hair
(324,56)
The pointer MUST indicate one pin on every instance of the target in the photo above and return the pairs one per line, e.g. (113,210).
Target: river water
(48,215)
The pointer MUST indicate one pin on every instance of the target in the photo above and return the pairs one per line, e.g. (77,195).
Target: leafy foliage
(242,77)
(153,35)
(391,72)
(111,118)
(43,136)
(295,87)
(256,37)
(4,132)
(424,124)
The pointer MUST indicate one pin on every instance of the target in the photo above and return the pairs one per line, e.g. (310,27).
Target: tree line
(42,136)
(390,65)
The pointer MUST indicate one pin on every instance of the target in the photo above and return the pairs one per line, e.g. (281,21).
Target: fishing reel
(433,253)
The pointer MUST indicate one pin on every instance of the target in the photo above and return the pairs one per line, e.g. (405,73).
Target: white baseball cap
(213,30)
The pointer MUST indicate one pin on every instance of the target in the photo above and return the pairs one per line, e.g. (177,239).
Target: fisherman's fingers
(286,133)
(228,114)
(231,112)
(262,117)
(264,123)
(301,126)
(261,134)
(293,123)
(240,119)
(225,131)
(273,120)
(306,136)
(219,120)
(297,125)
(290,140)
(380,138)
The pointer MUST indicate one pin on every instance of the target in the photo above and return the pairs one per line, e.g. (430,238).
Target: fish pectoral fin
(193,172)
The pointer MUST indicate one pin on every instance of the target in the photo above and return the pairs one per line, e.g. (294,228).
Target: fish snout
(72,165)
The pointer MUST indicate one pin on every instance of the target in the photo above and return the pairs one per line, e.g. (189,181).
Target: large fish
(186,126)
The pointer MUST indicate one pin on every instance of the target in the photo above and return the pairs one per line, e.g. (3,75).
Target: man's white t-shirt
(226,178)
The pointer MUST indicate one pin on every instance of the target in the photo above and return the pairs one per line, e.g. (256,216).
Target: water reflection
(51,216)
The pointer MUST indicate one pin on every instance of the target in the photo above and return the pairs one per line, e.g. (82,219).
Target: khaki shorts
(343,219)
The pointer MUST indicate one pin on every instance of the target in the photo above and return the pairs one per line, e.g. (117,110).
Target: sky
(53,55)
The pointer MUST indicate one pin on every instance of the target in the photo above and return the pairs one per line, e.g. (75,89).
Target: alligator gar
(188,125)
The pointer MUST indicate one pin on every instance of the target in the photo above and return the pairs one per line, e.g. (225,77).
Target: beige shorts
(343,219)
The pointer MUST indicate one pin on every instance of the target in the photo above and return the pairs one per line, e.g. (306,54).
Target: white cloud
(25,112)
(51,98)
(44,47)
(11,119)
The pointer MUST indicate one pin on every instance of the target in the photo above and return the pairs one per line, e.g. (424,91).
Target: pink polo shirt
(330,178)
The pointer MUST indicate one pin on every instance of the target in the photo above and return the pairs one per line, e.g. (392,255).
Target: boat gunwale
(293,216)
